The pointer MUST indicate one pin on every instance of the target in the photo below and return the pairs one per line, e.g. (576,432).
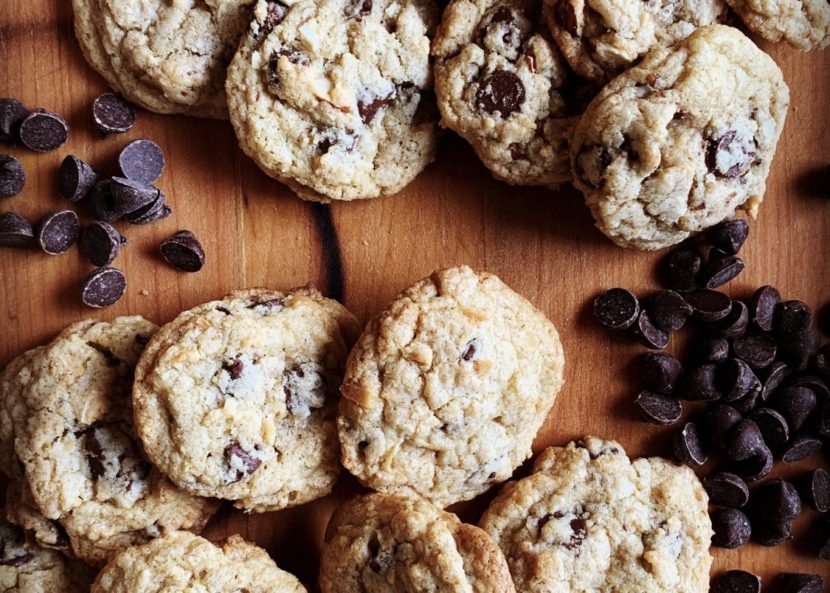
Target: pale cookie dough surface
(168,56)
(681,141)
(12,381)
(601,38)
(589,519)
(804,24)
(334,97)
(85,476)
(237,398)
(27,568)
(181,561)
(503,86)
(380,543)
(446,389)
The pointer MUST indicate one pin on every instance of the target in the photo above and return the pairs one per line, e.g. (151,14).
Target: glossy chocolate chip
(648,334)
(678,270)
(688,448)
(737,581)
(111,114)
(774,506)
(699,384)
(728,236)
(129,196)
(43,131)
(183,251)
(667,310)
(757,350)
(736,380)
(726,489)
(12,176)
(800,447)
(775,375)
(15,231)
(720,271)
(12,114)
(756,467)
(76,178)
(616,309)
(100,243)
(103,287)
(762,307)
(735,322)
(795,404)
(142,161)
(791,317)
(708,305)
(773,426)
(719,421)
(501,91)
(709,349)
(58,231)
(660,371)
(814,488)
(732,528)
(790,582)
(745,441)
(658,408)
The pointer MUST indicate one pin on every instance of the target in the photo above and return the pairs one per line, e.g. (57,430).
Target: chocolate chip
(658,408)
(822,420)
(773,426)
(737,581)
(795,404)
(736,380)
(616,309)
(305,388)
(130,196)
(648,334)
(756,467)
(566,15)
(111,114)
(183,251)
(776,373)
(58,231)
(814,384)
(757,350)
(699,384)
(790,318)
(579,529)
(734,324)
(798,348)
(12,176)
(728,236)
(234,368)
(103,287)
(687,446)
(668,310)
(719,422)
(709,305)
(660,371)
(745,442)
(747,403)
(678,270)
(799,448)
(12,114)
(814,488)
(707,349)
(43,131)
(76,178)
(732,528)
(240,461)
(762,307)
(368,109)
(470,350)
(501,91)
(726,489)
(774,506)
(155,210)
(15,231)
(719,272)
(275,13)
(100,243)
(142,161)
(730,155)
(790,582)
(100,202)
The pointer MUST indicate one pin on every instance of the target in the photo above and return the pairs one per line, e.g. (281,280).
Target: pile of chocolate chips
(760,373)
(130,195)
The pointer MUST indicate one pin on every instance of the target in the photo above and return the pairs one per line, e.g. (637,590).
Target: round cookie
(334,97)
(385,544)
(237,398)
(446,389)
(681,141)
(601,38)
(804,24)
(503,86)
(181,561)
(86,477)
(589,519)
(12,381)
(165,55)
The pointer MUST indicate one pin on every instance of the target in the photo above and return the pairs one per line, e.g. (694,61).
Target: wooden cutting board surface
(257,233)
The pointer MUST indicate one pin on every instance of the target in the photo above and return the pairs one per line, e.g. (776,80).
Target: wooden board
(255,232)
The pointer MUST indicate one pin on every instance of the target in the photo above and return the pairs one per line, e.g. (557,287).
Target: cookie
(12,381)
(28,568)
(804,24)
(386,544)
(601,38)
(85,484)
(446,389)
(237,398)
(168,57)
(589,519)
(181,561)
(682,140)
(503,86)
(334,97)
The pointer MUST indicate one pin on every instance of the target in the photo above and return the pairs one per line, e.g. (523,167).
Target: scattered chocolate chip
(730,155)
(708,305)
(799,448)
(687,446)
(737,581)
(369,109)
(100,202)
(500,91)
(678,270)
(795,404)
(155,210)
(762,307)
(43,131)
(183,251)
(58,231)
(658,408)
(719,272)
(790,582)
(757,350)
(305,388)
(791,317)
(775,504)
(129,196)
(240,461)
(732,528)
(234,368)
(76,178)
(748,402)
(726,489)
(773,426)
(814,384)
(12,114)
(699,384)
(142,161)
(745,442)
(719,421)
(667,310)
(814,488)
(660,371)
(776,373)
(734,324)
(648,334)
(15,231)
(470,351)
(798,348)
(756,467)
(100,243)
(710,349)
(728,236)
(616,309)
(103,287)
(111,114)
(12,176)
(736,380)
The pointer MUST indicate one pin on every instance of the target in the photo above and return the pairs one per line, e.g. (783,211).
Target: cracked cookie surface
(589,519)
(334,97)
(446,389)
(380,543)
(681,141)
(181,561)
(236,398)
(804,24)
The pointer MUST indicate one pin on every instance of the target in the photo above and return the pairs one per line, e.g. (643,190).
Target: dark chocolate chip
(12,176)
(732,528)
(726,489)
(709,349)
(43,131)
(678,270)
(100,202)
(728,236)
(699,384)
(130,196)
(747,403)
(687,446)
(762,307)
(745,441)
(800,447)
(774,506)
(142,161)
(719,272)
(470,350)
(648,334)
(790,582)
(757,350)
(821,362)
(798,348)
(795,404)
(814,488)
(100,243)
(737,581)
(660,371)
(155,210)
(111,114)
(58,231)
(736,380)
(730,155)
(734,324)
(240,461)
(719,421)
(234,368)
(667,310)
(76,178)
(773,426)
(183,251)
(502,91)
(822,420)
(791,317)
(658,408)
(15,231)
(776,373)
(103,287)
(709,305)
(616,309)
(756,467)
(814,384)
(12,114)
(369,109)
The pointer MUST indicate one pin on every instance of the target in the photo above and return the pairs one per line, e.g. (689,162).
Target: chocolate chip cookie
(446,389)
(681,141)
(236,398)
(601,38)
(181,561)
(333,97)
(804,24)
(386,544)
(589,519)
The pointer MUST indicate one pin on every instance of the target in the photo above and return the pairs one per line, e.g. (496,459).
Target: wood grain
(255,232)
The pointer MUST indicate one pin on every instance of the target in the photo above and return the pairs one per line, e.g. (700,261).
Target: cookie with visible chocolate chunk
(236,398)
(804,24)
(503,86)
(85,484)
(446,389)
(589,519)
(385,544)
(681,141)
(334,97)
